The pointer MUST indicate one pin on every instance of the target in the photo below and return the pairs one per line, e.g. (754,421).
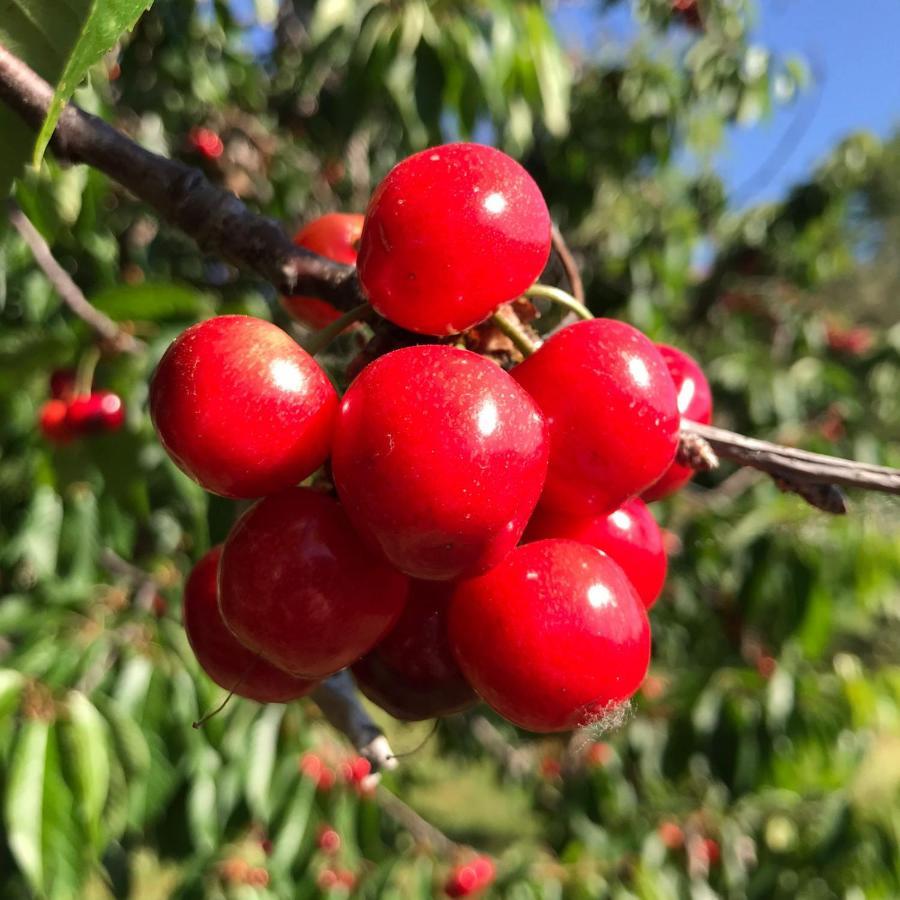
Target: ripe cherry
(451,233)
(412,673)
(470,878)
(100,411)
(439,458)
(229,664)
(206,142)
(335,236)
(629,535)
(694,402)
(241,408)
(298,586)
(610,403)
(53,422)
(552,638)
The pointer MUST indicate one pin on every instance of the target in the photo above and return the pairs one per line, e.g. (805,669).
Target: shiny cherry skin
(439,458)
(227,662)
(241,408)
(694,403)
(53,422)
(335,236)
(451,233)
(629,535)
(412,673)
(96,412)
(610,403)
(552,638)
(297,586)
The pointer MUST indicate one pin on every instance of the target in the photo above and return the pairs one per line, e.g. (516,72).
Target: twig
(216,219)
(517,761)
(570,267)
(408,818)
(508,322)
(68,291)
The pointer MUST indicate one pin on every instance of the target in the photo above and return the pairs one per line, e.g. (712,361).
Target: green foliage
(769,722)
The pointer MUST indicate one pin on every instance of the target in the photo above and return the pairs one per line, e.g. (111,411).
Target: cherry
(53,422)
(610,403)
(228,663)
(206,142)
(469,878)
(313,767)
(439,457)
(298,587)
(694,402)
(328,840)
(100,411)
(412,673)
(553,637)
(62,384)
(335,236)
(450,234)
(629,535)
(241,408)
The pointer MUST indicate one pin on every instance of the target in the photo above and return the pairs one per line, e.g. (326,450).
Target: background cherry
(694,402)
(439,458)
(300,588)
(450,234)
(241,408)
(96,412)
(412,673)
(229,664)
(53,422)
(552,637)
(611,406)
(629,535)
(335,236)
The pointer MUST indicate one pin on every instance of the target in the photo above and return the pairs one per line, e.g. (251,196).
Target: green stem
(559,296)
(84,375)
(517,335)
(320,339)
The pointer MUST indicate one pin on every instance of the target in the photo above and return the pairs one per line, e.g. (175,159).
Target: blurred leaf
(37,544)
(88,743)
(263,740)
(11,684)
(152,302)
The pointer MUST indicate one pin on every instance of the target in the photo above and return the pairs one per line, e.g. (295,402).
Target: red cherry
(112,410)
(470,877)
(439,458)
(62,384)
(450,234)
(553,637)
(100,411)
(412,673)
(629,535)
(241,408)
(335,236)
(53,422)
(610,403)
(328,840)
(694,403)
(298,586)
(206,142)
(671,834)
(228,663)
(312,767)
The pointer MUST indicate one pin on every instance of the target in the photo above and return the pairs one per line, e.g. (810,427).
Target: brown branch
(423,831)
(117,338)
(216,219)
(570,267)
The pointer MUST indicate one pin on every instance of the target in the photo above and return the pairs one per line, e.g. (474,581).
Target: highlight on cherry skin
(452,233)
(241,408)
(553,638)
(439,458)
(224,659)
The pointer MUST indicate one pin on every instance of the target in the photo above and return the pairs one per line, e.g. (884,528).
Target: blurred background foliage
(762,757)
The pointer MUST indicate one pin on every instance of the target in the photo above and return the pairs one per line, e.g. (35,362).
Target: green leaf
(11,684)
(152,302)
(293,827)
(37,544)
(24,801)
(261,760)
(89,754)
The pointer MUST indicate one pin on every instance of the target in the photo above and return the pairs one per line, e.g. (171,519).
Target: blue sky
(852,45)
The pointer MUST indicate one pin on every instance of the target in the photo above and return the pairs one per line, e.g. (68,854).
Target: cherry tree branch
(570,266)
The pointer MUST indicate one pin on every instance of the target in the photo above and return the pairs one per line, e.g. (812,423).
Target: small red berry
(206,142)
(112,410)
(100,411)
(53,422)
(328,840)
(227,662)
(470,877)
(553,637)
(694,403)
(671,835)
(297,585)
(629,535)
(412,673)
(450,234)
(356,770)
(241,408)
(708,851)
(439,458)
(312,767)
(334,236)
(611,406)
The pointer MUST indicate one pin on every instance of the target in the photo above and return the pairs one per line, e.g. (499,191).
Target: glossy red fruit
(241,408)
(552,638)
(53,422)
(469,878)
(439,458)
(629,535)
(206,142)
(91,414)
(335,236)
(298,586)
(450,234)
(229,664)
(412,673)
(610,403)
(694,402)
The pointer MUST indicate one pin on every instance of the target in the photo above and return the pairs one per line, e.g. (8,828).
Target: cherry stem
(320,339)
(84,376)
(524,344)
(213,712)
(560,297)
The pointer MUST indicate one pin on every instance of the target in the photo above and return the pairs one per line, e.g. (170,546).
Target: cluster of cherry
(68,415)
(484,536)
